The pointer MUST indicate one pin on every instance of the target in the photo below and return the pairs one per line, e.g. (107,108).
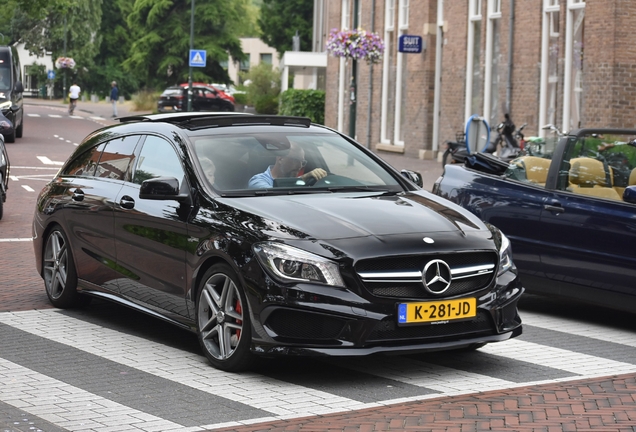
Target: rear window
(172,92)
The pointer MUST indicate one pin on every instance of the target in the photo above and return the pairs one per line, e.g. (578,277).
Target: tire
(20,129)
(58,271)
(1,202)
(222,310)
(10,138)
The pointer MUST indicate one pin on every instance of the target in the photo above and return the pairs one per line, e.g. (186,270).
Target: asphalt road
(107,368)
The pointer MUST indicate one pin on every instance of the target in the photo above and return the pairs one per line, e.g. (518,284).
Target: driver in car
(286,166)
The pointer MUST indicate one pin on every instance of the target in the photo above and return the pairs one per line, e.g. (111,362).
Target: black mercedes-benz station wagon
(268,236)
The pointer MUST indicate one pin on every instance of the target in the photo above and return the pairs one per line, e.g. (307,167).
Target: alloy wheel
(220,316)
(55,265)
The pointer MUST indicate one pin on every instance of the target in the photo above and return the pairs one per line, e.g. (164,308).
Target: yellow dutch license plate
(435,311)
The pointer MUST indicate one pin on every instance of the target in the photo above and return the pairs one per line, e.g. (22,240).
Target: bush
(145,100)
(304,103)
(240,98)
(264,88)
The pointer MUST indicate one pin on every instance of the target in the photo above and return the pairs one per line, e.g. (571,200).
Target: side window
(117,157)
(157,159)
(530,169)
(599,166)
(85,163)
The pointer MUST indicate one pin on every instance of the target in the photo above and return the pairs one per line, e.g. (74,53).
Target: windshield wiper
(362,189)
(268,192)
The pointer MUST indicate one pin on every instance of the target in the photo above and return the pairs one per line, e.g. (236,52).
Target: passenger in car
(208,168)
(286,166)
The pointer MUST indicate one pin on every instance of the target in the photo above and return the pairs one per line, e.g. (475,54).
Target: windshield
(272,163)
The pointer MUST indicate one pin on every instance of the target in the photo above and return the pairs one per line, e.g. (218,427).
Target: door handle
(127,202)
(78,195)
(554,208)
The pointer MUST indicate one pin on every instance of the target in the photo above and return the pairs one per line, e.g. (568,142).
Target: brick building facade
(572,63)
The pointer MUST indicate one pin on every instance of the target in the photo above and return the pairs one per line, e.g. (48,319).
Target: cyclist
(73,95)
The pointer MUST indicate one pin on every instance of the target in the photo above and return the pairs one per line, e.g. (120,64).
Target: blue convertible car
(569,210)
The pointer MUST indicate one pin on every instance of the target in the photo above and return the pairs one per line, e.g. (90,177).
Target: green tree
(160,31)
(264,88)
(47,29)
(116,43)
(280,19)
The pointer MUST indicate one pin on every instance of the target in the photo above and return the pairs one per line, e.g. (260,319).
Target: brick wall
(609,69)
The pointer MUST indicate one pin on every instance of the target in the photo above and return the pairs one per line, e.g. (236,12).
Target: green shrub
(145,100)
(264,88)
(304,103)
(240,98)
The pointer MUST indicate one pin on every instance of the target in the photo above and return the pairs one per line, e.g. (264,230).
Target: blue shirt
(114,93)
(263,180)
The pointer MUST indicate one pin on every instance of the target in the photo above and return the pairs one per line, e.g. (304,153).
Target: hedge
(304,103)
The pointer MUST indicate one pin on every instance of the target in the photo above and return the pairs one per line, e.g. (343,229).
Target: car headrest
(586,171)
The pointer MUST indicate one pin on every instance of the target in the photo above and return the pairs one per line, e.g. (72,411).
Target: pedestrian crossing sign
(197,58)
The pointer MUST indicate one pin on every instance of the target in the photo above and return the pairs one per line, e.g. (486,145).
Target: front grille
(304,325)
(401,277)
(388,330)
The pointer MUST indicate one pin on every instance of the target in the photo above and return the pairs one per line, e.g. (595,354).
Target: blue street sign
(197,58)
(410,44)
(50,74)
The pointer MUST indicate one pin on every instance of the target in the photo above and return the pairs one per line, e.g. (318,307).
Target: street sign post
(197,58)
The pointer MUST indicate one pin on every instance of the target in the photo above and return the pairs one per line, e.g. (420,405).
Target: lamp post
(354,71)
(191,48)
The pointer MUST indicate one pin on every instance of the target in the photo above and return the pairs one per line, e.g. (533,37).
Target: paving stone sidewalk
(603,404)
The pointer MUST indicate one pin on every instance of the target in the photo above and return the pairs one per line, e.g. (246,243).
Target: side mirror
(413,176)
(161,188)
(19,87)
(630,194)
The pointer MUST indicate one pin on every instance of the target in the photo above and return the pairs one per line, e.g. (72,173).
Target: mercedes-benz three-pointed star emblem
(436,277)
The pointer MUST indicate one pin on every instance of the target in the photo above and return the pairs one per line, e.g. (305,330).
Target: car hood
(351,215)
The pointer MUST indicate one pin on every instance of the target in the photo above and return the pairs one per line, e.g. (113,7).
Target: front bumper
(318,320)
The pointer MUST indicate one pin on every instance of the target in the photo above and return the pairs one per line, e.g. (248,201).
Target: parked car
(11,92)
(175,99)
(216,90)
(344,256)
(569,211)
(5,166)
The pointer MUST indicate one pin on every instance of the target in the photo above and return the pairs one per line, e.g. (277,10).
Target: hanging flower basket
(355,44)
(64,63)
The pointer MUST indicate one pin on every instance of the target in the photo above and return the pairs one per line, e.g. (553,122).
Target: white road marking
(27,390)
(33,115)
(14,178)
(18,239)
(97,118)
(46,161)
(28,188)
(55,115)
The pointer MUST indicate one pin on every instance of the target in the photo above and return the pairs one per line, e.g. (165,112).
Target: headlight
(505,255)
(289,264)
(5,105)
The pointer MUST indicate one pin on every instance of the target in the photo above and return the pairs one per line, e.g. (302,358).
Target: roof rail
(233,120)
(176,117)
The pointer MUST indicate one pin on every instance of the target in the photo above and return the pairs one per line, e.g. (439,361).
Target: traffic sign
(50,74)
(197,58)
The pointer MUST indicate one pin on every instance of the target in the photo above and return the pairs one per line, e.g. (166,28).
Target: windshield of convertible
(271,163)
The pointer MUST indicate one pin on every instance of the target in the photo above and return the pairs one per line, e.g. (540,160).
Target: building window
(266,58)
(245,64)
(388,75)
(550,53)
(491,71)
(474,102)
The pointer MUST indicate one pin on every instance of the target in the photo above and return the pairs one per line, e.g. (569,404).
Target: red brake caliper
(238,309)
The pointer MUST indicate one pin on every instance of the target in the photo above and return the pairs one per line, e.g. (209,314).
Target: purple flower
(356,44)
